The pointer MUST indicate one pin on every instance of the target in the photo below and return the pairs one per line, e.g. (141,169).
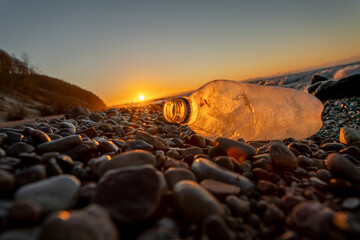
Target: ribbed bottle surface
(253,112)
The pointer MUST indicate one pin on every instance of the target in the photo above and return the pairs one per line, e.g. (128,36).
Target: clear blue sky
(120,49)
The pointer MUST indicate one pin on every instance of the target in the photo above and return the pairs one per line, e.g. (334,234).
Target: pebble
(351,203)
(266,187)
(352,150)
(127,159)
(282,156)
(204,168)
(156,142)
(220,189)
(139,144)
(54,193)
(39,136)
(107,147)
(239,206)
(238,150)
(196,203)
(273,215)
(215,228)
(225,162)
(324,175)
(12,137)
(197,140)
(30,175)
(340,165)
(90,223)
(25,210)
(60,144)
(333,147)
(28,233)
(3,136)
(130,194)
(7,181)
(313,219)
(349,136)
(20,147)
(174,175)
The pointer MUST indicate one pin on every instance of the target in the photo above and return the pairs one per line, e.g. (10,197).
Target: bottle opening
(177,110)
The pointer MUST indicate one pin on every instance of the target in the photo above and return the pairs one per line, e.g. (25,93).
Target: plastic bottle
(243,110)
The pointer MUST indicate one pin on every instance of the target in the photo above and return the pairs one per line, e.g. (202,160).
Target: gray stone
(283,156)
(60,144)
(54,193)
(127,159)
(20,147)
(157,142)
(29,175)
(130,194)
(195,202)
(30,233)
(349,136)
(204,168)
(216,229)
(139,144)
(90,223)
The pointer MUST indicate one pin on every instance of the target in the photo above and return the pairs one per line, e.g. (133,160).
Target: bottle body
(253,112)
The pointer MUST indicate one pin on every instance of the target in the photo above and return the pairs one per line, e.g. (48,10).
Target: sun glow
(141,97)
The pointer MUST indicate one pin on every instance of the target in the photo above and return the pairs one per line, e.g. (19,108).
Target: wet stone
(139,196)
(107,146)
(90,223)
(220,189)
(204,168)
(339,165)
(54,193)
(238,150)
(60,144)
(39,136)
(12,137)
(176,174)
(196,203)
(333,147)
(20,147)
(282,156)
(170,162)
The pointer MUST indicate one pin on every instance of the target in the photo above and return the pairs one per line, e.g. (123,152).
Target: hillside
(54,96)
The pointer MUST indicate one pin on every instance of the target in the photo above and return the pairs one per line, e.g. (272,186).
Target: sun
(141,97)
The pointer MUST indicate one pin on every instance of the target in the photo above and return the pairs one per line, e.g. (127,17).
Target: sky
(122,49)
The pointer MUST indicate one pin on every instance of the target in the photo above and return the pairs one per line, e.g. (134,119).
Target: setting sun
(141,97)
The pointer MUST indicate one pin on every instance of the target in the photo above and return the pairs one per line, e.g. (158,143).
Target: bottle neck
(177,110)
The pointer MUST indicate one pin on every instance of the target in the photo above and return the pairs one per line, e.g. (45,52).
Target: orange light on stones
(237,154)
(64,215)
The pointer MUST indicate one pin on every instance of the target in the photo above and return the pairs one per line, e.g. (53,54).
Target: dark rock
(7,181)
(273,215)
(351,203)
(30,175)
(339,184)
(107,147)
(3,136)
(90,223)
(197,140)
(170,162)
(204,168)
(266,187)
(339,165)
(352,150)
(55,193)
(238,150)
(76,112)
(60,144)
(65,162)
(350,136)
(282,156)
(39,136)
(139,195)
(333,147)
(192,151)
(139,144)
(29,159)
(90,132)
(195,202)
(12,137)
(324,175)
(126,159)
(157,142)
(225,162)
(176,174)
(220,189)
(96,117)
(239,206)
(215,228)
(302,148)
(25,210)
(312,219)
(289,201)
(20,147)
(317,78)
(346,87)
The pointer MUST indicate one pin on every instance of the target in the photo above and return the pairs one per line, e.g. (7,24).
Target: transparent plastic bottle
(243,110)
